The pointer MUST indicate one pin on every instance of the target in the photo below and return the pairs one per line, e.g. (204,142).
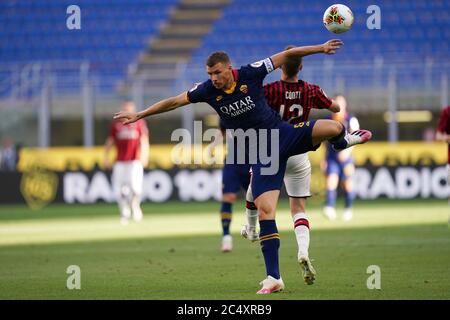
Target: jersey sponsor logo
(244,88)
(301,124)
(238,107)
(126,133)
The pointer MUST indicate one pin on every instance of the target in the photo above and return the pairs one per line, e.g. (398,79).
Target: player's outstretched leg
(352,139)
(337,135)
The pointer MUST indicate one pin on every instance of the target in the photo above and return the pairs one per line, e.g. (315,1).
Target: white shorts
(297,178)
(129,173)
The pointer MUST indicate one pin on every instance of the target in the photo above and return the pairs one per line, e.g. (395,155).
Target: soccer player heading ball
(293,99)
(242,106)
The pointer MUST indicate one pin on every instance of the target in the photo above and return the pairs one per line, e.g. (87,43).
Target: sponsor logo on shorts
(301,124)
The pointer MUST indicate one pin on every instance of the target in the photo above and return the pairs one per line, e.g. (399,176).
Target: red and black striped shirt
(294,101)
(444,125)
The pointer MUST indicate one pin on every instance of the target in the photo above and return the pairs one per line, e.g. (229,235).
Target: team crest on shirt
(218,98)
(244,88)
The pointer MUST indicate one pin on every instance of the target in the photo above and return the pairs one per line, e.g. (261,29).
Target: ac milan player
(237,97)
(443,134)
(132,143)
(293,99)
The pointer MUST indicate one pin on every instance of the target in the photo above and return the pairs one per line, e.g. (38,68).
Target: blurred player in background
(8,155)
(234,176)
(339,167)
(443,134)
(293,99)
(132,144)
(238,98)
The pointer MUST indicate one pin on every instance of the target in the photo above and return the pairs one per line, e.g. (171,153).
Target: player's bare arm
(328,47)
(108,146)
(159,107)
(335,107)
(441,136)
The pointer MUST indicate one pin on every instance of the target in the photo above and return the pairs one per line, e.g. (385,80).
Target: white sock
(125,209)
(301,233)
(124,201)
(136,207)
(252,215)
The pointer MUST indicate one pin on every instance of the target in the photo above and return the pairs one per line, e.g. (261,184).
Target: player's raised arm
(159,107)
(328,47)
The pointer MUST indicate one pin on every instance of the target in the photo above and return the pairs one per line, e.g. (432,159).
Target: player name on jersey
(291,95)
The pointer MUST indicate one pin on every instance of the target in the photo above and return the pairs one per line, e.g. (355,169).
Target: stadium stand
(413,34)
(125,32)
(149,50)
(409,30)
(111,36)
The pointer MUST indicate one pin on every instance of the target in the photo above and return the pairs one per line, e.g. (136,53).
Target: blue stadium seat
(112,33)
(408,28)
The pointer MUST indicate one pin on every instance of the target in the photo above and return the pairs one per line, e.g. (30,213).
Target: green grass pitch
(174,253)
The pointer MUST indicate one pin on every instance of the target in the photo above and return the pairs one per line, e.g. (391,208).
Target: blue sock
(270,243)
(331,198)
(339,142)
(349,196)
(225,214)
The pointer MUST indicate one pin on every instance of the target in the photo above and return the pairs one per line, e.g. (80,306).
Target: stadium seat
(111,36)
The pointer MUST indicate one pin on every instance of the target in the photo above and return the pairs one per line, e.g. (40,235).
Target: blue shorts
(292,140)
(343,169)
(235,176)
